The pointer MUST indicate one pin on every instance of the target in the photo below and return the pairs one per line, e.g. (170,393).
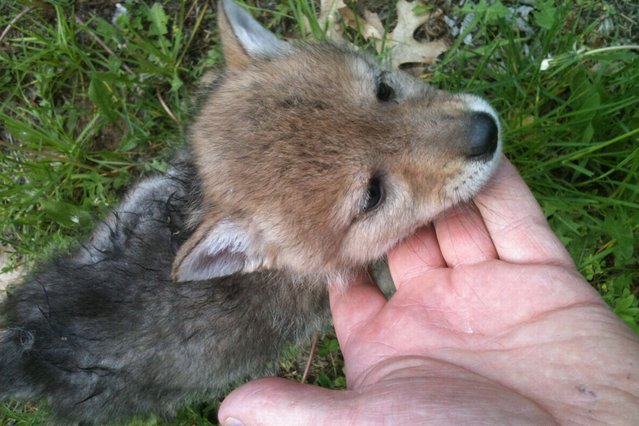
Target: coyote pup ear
(244,38)
(215,251)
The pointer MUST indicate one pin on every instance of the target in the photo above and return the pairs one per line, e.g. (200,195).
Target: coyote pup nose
(484,136)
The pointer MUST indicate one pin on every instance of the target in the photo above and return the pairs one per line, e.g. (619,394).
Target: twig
(166,107)
(13,21)
(311,355)
(628,18)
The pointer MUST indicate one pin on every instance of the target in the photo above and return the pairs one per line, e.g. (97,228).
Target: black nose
(484,135)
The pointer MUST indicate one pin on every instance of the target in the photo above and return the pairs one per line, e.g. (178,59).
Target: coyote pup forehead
(317,160)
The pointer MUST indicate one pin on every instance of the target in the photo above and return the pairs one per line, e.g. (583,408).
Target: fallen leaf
(372,27)
(329,18)
(405,49)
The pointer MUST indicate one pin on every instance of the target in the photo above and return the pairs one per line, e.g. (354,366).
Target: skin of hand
(491,324)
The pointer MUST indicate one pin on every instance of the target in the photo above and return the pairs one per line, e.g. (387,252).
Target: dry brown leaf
(328,18)
(372,27)
(405,49)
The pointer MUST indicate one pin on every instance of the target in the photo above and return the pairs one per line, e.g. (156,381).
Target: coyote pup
(307,163)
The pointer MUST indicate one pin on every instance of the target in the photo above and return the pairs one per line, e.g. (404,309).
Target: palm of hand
(482,351)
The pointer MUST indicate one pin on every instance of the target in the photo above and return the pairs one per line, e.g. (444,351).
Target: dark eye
(374,195)
(384,92)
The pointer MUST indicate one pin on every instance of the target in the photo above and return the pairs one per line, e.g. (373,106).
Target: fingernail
(232,421)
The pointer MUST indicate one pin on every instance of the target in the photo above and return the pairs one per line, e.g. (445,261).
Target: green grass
(87,107)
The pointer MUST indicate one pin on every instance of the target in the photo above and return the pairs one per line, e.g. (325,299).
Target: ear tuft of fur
(243,38)
(216,251)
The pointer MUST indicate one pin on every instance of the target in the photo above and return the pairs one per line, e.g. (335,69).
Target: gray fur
(104,333)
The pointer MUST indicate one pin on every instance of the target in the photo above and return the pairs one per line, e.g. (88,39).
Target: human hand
(490,323)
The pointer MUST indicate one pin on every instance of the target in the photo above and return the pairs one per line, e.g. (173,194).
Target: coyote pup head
(317,160)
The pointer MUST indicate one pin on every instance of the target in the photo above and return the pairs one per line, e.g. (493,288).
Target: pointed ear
(244,38)
(216,250)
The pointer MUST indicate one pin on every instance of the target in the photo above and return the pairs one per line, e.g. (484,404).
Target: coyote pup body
(308,163)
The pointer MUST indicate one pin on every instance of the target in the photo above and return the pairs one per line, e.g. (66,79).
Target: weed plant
(90,101)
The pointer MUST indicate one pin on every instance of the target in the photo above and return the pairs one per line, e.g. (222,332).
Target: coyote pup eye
(374,195)
(383,91)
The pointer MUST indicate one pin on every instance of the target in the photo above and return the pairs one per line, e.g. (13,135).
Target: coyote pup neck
(316,160)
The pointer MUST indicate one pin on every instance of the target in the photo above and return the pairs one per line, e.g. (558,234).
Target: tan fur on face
(289,146)
(287,143)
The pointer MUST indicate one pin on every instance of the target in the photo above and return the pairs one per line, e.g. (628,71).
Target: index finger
(516,222)
(354,307)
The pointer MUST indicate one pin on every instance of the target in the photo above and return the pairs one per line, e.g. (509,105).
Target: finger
(354,307)
(463,237)
(415,256)
(516,223)
(276,401)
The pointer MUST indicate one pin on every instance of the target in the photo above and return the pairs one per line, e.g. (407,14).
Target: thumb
(277,401)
